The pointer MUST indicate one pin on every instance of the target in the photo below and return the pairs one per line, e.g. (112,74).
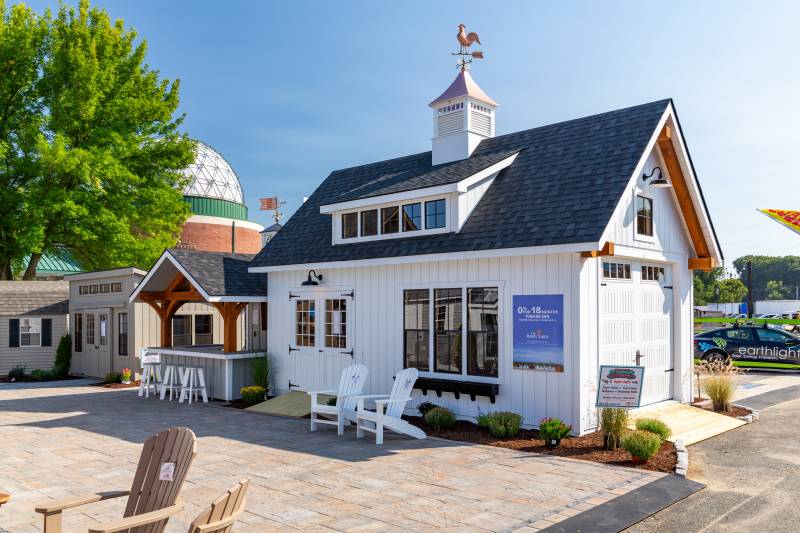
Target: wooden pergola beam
(607,249)
(230,312)
(701,263)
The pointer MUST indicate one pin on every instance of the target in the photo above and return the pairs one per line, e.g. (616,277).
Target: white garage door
(636,317)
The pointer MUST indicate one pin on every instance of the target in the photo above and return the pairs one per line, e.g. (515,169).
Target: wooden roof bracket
(608,249)
(702,263)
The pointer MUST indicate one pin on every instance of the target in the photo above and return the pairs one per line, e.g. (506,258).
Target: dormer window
(390,220)
(369,223)
(435,212)
(412,217)
(349,225)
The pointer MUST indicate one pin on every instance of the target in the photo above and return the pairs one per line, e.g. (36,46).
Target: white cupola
(462,117)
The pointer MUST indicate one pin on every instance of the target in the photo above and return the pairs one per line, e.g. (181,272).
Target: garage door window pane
(416,335)
(447,324)
(482,350)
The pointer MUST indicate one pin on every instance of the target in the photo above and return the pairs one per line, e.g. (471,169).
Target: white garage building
(507,269)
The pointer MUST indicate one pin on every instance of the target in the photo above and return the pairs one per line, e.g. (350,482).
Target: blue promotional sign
(539,332)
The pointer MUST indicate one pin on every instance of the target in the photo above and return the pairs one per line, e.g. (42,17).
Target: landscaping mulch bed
(587,448)
(28,379)
(239,404)
(130,385)
(733,411)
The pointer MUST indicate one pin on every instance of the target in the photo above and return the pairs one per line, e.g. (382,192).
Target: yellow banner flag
(790,219)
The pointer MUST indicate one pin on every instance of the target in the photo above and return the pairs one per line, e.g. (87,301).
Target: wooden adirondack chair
(218,518)
(155,486)
(388,409)
(351,384)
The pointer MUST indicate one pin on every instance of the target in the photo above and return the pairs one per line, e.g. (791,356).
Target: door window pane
(447,324)
(412,217)
(349,225)
(336,323)
(103,319)
(390,220)
(416,335)
(482,350)
(305,330)
(369,223)
(122,349)
(90,329)
(203,333)
(435,214)
(644,216)
(78,332)
(182,330)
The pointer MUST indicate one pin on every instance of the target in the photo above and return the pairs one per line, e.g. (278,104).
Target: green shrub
(501,425)
(553,429)
(613,424)
(63,359)
(253,394)
(483,420)
(424,407)
(654,425)
(440,417)
(17,373)
(113,377)
(259,370)
(42,375)
(641,444)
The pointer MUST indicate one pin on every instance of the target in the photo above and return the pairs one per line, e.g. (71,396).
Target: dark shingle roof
(562,188)
(222,274)
(34,298)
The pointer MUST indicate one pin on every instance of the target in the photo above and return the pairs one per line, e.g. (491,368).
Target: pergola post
(230,312)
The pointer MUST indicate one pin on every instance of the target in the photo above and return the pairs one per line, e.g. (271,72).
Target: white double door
(321,344)
(636,318)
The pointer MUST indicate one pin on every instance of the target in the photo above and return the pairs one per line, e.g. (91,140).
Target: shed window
(447,323)
(482,350)
(349,225)
(412,217)
(644,216)
(435,214)
(369,223)
(416,328)
(305,326)
(203,332)
(390,220)
(182,330)
(30,332)
(616,270)
(122,334)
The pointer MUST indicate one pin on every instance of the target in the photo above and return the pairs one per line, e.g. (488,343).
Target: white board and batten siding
(377,329)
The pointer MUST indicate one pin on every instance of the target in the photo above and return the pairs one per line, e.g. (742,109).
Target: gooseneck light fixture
(310,281)
(659,182)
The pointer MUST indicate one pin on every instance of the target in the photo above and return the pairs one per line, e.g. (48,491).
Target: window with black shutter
(13,333)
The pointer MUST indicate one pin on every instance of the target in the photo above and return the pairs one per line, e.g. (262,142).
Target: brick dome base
(217,238)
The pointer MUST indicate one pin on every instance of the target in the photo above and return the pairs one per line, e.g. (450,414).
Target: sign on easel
(150,358)
(620,386)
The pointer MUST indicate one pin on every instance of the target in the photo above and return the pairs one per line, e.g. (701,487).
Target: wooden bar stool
(172,381)
(151,377)
(193,381)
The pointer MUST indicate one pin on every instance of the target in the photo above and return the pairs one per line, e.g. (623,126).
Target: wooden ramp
(294,403)
(689,424)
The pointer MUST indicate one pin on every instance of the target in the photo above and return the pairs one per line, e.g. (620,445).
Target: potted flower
(127,375)
(552,430)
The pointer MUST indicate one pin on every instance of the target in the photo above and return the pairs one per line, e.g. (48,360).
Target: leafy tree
(785,269)
(705,285)
(90,153)
(775,290)
(731,290)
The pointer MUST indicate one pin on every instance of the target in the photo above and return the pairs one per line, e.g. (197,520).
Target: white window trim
(32,321)
(463,285)
(636,235)
(337,221)
(319,294)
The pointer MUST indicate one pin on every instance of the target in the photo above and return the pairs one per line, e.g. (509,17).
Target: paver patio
(69,438)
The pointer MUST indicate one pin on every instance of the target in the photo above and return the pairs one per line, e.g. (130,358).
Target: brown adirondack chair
(218,518)
(153,491)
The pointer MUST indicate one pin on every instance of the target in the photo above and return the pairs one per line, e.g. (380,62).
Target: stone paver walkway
(67,439)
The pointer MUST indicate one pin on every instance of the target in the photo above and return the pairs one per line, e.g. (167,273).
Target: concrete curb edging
(752,417)
(682,465)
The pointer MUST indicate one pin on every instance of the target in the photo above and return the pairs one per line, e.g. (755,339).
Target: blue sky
(288,91)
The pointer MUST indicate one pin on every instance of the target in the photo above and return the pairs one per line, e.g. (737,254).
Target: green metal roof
(216,207)
(59,263)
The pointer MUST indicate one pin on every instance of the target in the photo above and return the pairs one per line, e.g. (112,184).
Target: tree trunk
(5,271)
(30,272)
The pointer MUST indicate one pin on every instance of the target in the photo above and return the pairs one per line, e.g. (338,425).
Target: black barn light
(310,281)
(658,183)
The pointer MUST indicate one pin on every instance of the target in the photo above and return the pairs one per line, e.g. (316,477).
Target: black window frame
(369,223)
(207,337)
(122,334)
(416,339)
(350,225)
(412,217)
(644,216)
(390,220)
(186,333)
(447,341)
(432,213)
(483,338)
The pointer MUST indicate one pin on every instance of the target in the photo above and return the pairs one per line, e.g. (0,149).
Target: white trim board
(111,273)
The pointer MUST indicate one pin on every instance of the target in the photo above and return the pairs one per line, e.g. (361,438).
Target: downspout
(233,237)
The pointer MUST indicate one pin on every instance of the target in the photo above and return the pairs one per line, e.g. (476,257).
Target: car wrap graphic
(751,349)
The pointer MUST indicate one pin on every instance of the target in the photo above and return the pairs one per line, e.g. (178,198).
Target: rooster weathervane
(465,40)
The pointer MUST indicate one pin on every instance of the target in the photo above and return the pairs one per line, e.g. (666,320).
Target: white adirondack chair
(389,409)
(351,384)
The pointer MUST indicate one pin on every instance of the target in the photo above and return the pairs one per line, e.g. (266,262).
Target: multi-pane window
(369,223)
(644,216)
(122,333)
(94,289)
(203,334)
(103,319)
(182,330)
(652,273)
(349,225)
(105,288)
(482,327)
(416,328)
(116,287)
(78,332)
(305,330)
(435,214)
(616,270)
(30,332)
(390,220)
(447,325)
(412,217)
(83,289)
(90,329)
(336,323)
